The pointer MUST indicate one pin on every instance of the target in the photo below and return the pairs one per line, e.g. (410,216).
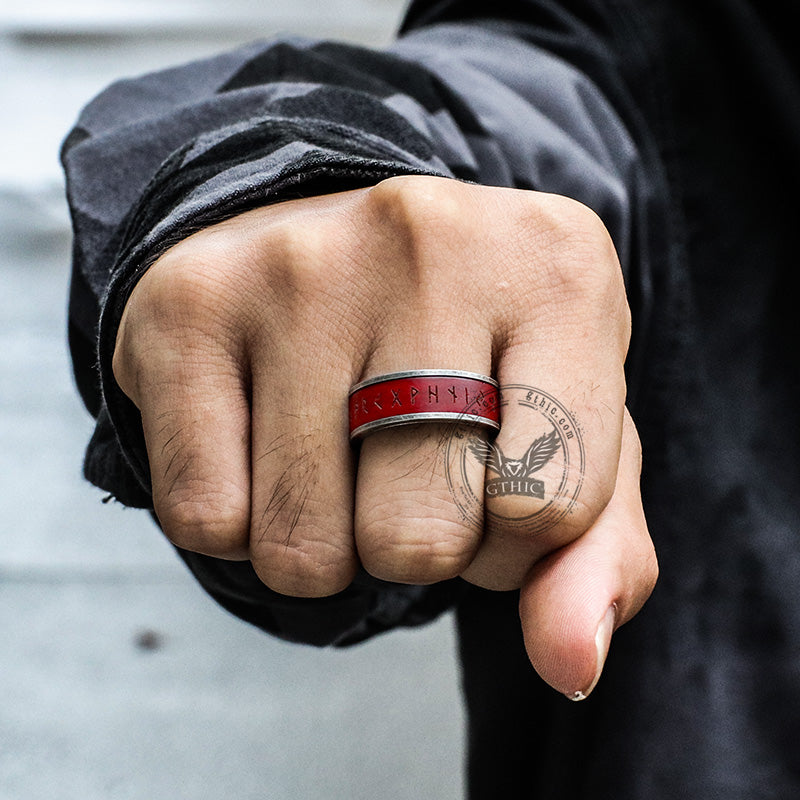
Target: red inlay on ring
(402,398)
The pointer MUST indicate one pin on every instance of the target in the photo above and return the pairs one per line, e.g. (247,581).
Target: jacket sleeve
(153,159)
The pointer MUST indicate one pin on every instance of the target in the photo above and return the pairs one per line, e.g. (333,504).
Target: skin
(239,346)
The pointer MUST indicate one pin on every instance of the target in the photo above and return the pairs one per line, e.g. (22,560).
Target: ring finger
(408,528)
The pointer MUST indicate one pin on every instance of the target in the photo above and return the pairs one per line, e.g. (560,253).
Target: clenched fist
(240,344)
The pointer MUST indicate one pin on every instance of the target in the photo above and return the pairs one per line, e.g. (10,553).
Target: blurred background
(120,679)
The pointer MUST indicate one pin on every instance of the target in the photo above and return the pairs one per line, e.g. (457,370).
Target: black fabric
(374,74)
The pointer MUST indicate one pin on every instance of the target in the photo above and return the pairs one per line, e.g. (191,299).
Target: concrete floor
(120,678)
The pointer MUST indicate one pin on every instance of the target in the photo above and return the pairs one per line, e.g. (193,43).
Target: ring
(423,395)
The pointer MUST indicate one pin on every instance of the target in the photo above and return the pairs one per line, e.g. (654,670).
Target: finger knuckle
(420,562)
(203,522)
(177,322)
(179,302)
(565,520)
(423,549)
(580,260)
(297,259)
(422,208)
(571,221)
(180,288)
(311,567)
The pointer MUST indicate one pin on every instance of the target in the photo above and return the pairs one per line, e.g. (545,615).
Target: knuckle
(414,550)
(419,562)
(313,273)
(428,226)
(560,258)
(176,299)
(308,568)
(178,318)
(293,255)
(567,520)
(578,275)
(178,283)
(203,522)
(571,220)
(582,260)
(420,206)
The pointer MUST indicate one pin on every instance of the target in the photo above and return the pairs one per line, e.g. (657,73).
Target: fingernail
(602,641)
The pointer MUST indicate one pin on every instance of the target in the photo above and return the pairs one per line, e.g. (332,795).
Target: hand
(239,346)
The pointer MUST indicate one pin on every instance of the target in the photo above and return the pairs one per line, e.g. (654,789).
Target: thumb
(574,599)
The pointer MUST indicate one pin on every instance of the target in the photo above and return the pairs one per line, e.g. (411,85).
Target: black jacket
(678,121)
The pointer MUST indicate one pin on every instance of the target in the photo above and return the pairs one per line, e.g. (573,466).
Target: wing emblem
(537,455)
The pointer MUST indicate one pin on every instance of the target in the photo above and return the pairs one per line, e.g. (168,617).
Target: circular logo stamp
(531,482)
